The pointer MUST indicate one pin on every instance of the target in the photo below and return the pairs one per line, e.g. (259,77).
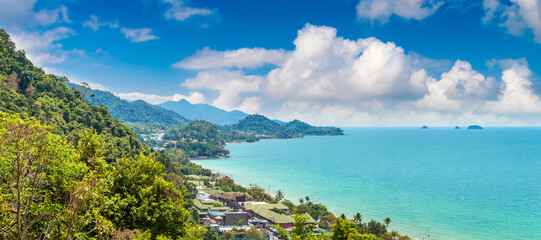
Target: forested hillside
(55,180)
(197,139)
(265,128)
(204,112)
(142,117)
(26,89)
(307,129)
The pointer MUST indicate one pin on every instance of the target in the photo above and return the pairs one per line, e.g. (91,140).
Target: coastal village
(237,212)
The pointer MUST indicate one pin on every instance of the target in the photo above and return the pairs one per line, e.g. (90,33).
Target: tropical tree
(358,218)
(210,234)
(47,188)
(254,234)
(387,220)
(344,230)
(143,199)
(279,196)
(301,229)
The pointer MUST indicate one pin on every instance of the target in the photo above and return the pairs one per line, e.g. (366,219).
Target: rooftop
(275,217)
(269,206)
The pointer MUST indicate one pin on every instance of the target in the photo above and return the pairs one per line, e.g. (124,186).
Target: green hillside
(307,129)
(55,180)
(142,117)
(204,112)
(266,128)
(27,90)
(197,139)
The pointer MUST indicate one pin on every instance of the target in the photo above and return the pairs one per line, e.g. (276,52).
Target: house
(286,221)
(209,211)
(231,218)
(280,207)
(233,199)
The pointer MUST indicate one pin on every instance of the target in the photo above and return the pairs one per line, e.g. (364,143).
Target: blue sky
(341,62)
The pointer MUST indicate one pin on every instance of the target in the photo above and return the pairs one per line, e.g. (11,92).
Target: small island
(457,127)
(424,127)
(475,127)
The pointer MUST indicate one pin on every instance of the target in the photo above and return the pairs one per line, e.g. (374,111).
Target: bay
(437,182)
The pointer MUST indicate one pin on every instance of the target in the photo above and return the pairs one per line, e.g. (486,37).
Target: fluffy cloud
(18,13)
(138,35)
(517,16)
(241,58)
(330,68)
(330,80)
(178,11)
(517,96)
(382,10)
(48,17)
(93,23)
(194,97)
(230,85)
(43,48)
(458,89)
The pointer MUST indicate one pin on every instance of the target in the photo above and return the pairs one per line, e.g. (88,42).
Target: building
(280,207)
(231,218)
(233,199)
(286,221)
(210,211)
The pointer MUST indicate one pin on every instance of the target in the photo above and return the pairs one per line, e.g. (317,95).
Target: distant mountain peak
(204,112)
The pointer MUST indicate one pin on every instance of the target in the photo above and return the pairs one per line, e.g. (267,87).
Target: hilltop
(204,112)
(263,127)
(139,115)
(70,170)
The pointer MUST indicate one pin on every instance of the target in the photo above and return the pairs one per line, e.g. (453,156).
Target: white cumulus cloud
(517,16)
(138,35)
(382,10)
(93,23)
(229,84)
(330,80)
(241,58)
(19,13)
(516,96)
(43,48)
(329,68)
(194,97)
(180,12)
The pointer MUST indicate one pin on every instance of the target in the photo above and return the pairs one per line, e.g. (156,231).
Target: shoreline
(406,231)
(419,232)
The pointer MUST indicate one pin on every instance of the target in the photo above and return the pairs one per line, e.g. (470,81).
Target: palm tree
(387,220)
(279,195)
(358,218)
(343,216)
(307,199)
(301,201)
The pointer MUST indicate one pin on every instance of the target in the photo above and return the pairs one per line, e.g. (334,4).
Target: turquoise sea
(446,183)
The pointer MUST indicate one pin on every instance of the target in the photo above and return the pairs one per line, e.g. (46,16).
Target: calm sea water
(446,183)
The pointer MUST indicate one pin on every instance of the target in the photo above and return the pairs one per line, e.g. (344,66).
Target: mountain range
(204,112)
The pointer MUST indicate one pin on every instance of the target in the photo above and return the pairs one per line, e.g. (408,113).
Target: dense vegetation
(197,139)
(201,131)
(27,89)
(260,125)
(52,190)
(307,129)
(54,177)
(139,115)
(265,128)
